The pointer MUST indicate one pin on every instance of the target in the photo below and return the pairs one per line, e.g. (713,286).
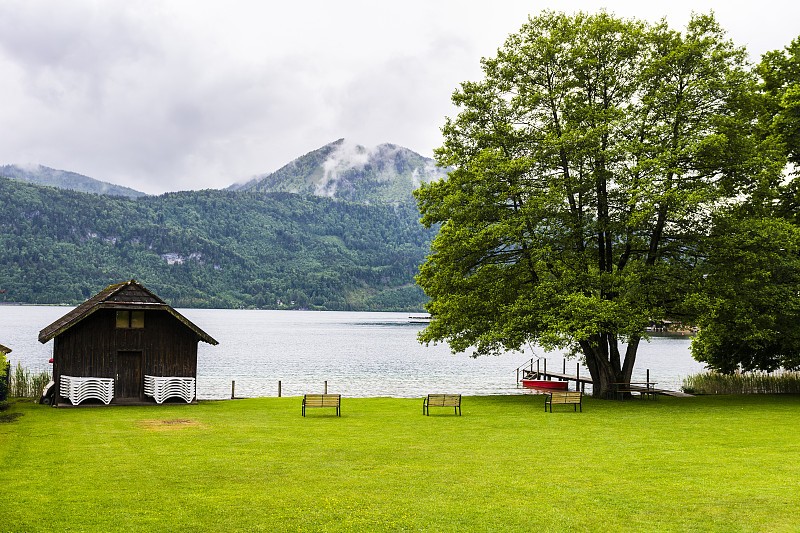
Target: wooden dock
(528,371)
(559,376)
(665,392)
(580,382)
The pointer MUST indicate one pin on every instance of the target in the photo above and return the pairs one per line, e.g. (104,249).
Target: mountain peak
(42,175)
(386,173)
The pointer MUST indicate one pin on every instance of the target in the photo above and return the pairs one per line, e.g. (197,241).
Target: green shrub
(5,370)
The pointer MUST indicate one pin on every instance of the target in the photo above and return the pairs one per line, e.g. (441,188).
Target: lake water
(358,354)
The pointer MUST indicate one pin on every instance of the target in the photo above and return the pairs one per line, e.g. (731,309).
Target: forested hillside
(210,249)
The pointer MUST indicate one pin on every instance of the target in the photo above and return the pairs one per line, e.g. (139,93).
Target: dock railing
(529,372)
(536,369)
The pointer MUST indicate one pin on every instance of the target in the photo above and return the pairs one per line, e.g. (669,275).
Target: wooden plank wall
(89,348)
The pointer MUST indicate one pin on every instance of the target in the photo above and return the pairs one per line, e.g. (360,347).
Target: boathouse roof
(3,349)
(128,295)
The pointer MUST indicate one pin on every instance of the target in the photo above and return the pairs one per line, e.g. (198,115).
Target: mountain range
(341,170)
(336,229)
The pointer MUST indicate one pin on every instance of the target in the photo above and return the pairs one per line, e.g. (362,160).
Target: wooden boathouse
(127,334)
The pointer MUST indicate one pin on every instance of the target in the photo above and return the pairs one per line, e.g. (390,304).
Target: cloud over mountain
(344,170)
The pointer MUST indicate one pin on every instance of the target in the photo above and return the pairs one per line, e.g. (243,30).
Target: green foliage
(743,383)
(588,162)
(219,249)
(748,303)
(5,370)
(780,73)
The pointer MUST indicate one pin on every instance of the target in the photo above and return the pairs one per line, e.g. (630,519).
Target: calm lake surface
(358,354)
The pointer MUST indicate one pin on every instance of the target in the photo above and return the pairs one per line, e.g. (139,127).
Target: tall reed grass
(743,383)
(27,384)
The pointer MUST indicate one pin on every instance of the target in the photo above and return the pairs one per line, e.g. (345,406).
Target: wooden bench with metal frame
(564,397)
(442,400)
(650,394)
(323,400)
(647,391)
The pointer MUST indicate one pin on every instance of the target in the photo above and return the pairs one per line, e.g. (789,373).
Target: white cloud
(190,94)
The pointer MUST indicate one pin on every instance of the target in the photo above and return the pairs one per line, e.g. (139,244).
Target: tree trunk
(603,361)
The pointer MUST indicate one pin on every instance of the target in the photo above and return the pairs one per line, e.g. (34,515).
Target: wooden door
(129,384)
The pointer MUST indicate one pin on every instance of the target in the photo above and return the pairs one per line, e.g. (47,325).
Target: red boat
(545,384)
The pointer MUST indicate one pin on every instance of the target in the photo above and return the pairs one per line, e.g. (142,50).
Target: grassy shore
(713,463)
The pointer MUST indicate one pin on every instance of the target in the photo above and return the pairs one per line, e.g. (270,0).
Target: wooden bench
(650,394)
(620,394)
(563,397)
(645,390)
(323,400)
(442,400)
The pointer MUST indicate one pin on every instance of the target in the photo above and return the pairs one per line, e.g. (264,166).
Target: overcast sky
(163,95)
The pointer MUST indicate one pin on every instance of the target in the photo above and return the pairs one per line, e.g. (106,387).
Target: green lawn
(714,463)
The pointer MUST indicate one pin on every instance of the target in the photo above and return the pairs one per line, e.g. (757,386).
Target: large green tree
(586,167)
(748,302)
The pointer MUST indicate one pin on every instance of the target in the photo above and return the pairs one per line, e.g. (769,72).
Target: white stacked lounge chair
(78,389)
(163,387)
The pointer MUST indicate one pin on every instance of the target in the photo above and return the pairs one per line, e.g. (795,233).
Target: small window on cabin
(123,319)
(130,319)
(137,319)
